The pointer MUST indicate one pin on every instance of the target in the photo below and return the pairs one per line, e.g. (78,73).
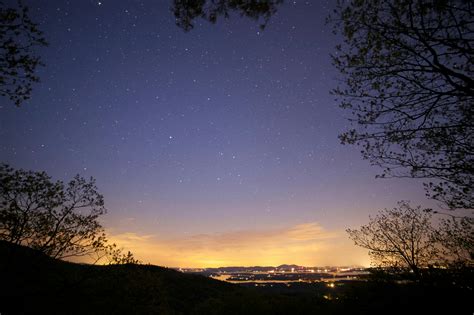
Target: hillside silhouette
(33,283)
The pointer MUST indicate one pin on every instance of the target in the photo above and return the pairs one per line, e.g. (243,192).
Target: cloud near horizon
(306,244)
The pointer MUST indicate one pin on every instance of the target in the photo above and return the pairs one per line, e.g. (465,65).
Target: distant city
(283,274)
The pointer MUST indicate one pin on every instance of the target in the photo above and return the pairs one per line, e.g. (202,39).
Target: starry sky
(214,147)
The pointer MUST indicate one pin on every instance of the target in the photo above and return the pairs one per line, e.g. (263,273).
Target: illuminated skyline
(215,147)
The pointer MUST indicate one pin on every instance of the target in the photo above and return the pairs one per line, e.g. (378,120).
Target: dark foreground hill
(31,283)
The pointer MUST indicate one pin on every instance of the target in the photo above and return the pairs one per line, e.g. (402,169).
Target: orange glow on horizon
(306,244)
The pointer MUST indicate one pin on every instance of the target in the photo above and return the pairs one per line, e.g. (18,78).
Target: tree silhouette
(186,11)
(19,38)
(60,220)
(398,238)
(407,239)
(455,236)
(407,70)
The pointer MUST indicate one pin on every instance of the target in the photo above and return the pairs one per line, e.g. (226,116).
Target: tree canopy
(407,81)
(407,238)
(186,11)
(399,237)
(455,236)
(19,39)
(60,220)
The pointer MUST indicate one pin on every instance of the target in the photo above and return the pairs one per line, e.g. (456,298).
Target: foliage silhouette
(398,238)
(405,239)
(19,39)
(186,11)
(455,236)
(56,219)
(407,69)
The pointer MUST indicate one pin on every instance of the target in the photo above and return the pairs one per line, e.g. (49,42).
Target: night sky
(214,147)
